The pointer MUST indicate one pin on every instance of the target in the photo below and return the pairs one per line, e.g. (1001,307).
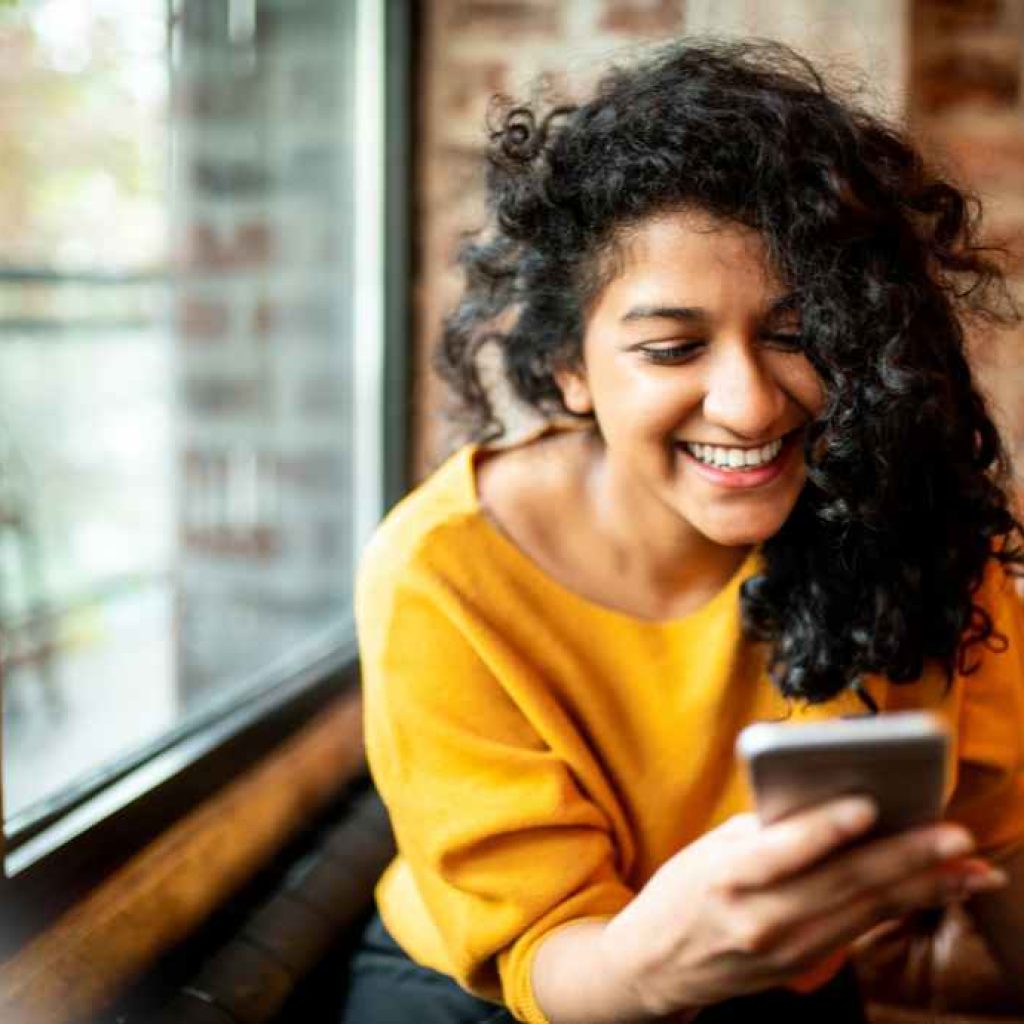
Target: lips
(739,478)
(735,458)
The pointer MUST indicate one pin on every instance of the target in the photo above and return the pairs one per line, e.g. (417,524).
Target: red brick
(203,319)
(989,154)
(642,17)
(249,245)
(953,77)
(254,244)
(259,543)
(469,85)
(506,17)
(957,14)
(457,186)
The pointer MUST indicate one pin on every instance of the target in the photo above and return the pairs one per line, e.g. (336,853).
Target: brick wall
(263,215)
(471,49)
(967,107)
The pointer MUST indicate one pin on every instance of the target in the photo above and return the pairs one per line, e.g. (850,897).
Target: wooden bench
(246,911)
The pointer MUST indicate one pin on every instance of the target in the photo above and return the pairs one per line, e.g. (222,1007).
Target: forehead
(693,255)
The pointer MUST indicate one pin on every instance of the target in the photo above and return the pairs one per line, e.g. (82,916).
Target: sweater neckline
(513,553)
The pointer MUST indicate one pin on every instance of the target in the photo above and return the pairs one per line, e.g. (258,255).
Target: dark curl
(875,569)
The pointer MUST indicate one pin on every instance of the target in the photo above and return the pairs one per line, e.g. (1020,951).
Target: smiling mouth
(736,459)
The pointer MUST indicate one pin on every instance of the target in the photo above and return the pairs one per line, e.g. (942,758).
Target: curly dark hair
(875,569)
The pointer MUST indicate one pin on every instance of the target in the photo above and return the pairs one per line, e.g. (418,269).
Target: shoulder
(442,534)
(988,703)
(1001,654)
(429,522)
(528,489)
(448,541)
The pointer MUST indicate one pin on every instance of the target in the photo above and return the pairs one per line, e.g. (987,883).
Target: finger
(739,826)
(790,846)
(734,832)
(878,866)
(840,928)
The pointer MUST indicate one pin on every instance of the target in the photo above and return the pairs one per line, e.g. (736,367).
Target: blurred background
(177,500)
(191,350)
(949,70)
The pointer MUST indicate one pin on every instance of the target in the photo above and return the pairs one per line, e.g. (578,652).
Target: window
(193,444)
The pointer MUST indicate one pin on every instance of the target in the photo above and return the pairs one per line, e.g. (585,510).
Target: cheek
(643,401)
(804,384)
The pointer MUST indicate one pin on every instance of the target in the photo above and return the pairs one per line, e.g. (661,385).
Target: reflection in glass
(175,396)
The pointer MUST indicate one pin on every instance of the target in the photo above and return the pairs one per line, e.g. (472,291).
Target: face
(692,367)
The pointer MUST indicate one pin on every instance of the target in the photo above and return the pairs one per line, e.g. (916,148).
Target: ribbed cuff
(523,1004)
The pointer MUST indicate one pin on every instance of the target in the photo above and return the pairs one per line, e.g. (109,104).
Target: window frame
(55,858)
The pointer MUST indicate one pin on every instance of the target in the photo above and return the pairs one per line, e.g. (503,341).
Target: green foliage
(83,139)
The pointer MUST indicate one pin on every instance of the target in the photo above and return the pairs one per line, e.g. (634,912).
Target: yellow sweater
(541,755)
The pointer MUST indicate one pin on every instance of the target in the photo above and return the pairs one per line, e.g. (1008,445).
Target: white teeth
(735,458)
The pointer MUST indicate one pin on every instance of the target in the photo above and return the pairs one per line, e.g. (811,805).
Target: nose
(742,395)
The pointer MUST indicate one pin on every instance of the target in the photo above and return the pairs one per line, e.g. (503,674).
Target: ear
(575,390)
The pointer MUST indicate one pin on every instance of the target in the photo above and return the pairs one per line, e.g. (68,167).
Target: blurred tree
(83,136)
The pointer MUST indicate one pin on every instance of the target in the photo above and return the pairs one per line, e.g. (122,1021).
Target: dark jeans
(386,987)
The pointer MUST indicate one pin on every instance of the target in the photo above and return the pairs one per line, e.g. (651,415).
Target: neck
(652,543)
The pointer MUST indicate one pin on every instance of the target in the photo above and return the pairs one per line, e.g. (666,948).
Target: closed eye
(785,341)
(665,354)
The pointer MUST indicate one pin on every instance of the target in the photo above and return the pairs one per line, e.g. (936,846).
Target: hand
(747,906)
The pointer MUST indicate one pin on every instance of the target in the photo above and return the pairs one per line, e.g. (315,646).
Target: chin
(738,540)
(742,534)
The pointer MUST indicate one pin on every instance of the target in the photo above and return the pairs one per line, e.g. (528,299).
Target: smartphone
(900,760)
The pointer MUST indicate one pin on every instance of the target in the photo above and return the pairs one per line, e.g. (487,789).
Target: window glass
(176,398)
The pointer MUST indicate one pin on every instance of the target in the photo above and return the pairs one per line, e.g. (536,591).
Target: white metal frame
(368,324)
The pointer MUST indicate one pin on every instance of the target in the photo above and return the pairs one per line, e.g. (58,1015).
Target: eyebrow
(690,314)
(685,313)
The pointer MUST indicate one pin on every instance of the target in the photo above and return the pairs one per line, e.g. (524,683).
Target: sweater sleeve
(503,845)
(989,797)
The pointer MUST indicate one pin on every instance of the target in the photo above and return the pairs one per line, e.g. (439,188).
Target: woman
(782,499)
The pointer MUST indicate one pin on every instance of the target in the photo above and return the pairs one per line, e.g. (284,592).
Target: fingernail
(953,844)
(973,866)
(856,814)
(994,879)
